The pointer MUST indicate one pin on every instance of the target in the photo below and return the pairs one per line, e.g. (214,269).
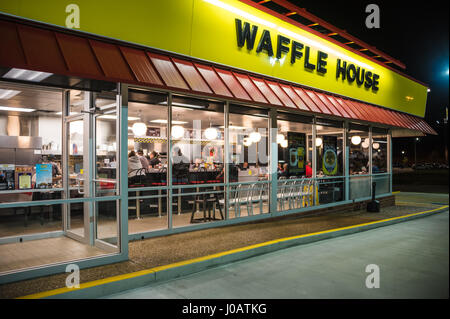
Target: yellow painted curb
(199,259)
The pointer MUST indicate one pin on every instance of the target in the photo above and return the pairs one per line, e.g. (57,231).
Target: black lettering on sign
(321,63)
(307,64)
(281,45)
(351,73)
(341,70)
(360,75)
(375,82)
(368,81)
(265,43)
(295,51)
(245,35)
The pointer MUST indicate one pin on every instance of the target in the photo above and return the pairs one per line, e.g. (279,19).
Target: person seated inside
(180,168)
(143,160)
(285,171)
(154,159)
(134,164)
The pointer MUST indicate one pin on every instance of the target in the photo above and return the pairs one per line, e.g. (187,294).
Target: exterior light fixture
(177,131)
(280,138)
(356,140)
(284,144)
(255,137)
(318,141)
(139,129)
(211,133)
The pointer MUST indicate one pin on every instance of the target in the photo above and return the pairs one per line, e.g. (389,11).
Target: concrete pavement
(412,258)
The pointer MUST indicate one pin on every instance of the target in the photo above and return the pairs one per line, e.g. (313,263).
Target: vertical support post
(389,149)
(273,160)
(227,160)
(314,164)
(346,162)
(169,161)
(370,160)
(122,164)
(65,157)
(88,167)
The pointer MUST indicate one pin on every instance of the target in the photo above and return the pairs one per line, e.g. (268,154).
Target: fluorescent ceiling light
(185,105)
(17,109)
(165,122)
(287,32)
(26,75)
(7,94)
(113,117)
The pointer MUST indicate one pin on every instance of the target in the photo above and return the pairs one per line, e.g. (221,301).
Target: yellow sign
(206,29)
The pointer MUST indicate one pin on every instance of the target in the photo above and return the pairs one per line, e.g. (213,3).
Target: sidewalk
(160,251)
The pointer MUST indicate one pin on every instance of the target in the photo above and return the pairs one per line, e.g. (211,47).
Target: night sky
(417,35)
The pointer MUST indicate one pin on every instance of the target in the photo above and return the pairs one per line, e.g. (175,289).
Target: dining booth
(109,136)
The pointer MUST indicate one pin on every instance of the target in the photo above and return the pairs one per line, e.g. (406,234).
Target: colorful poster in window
(23,176)
(44,175)
(297,152)
(329,156)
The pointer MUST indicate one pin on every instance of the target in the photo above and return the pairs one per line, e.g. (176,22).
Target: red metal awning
(39,47)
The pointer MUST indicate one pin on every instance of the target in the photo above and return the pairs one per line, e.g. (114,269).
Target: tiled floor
(34,253)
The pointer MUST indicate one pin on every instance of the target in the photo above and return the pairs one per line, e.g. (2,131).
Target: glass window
(249,161)
(295,165)
(380,160)
(294,139)
(330,163)
(379,150)
(147,161)
(358,140)
(197,161)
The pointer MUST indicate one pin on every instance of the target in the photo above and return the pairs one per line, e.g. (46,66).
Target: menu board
(329,156)
(44,176)
(297,148)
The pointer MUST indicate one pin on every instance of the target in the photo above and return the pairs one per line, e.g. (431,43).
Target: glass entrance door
(75,213)
(90,157)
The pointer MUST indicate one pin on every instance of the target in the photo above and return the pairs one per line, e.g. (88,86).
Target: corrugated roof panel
(233,85)
(294,97)
(111,61)
(11,48)
(305,97)
(394,118)
(192,76)
(78,55)
(266,91)
(375,113)
(140,66)
(329,105)
(349,108)
(362,113)
(41,49)
(167,71)
(281,94)
(338,106)
(323,108)
(250,87)
(213,80)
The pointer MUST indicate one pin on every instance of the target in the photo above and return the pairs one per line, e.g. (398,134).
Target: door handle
(78,185)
